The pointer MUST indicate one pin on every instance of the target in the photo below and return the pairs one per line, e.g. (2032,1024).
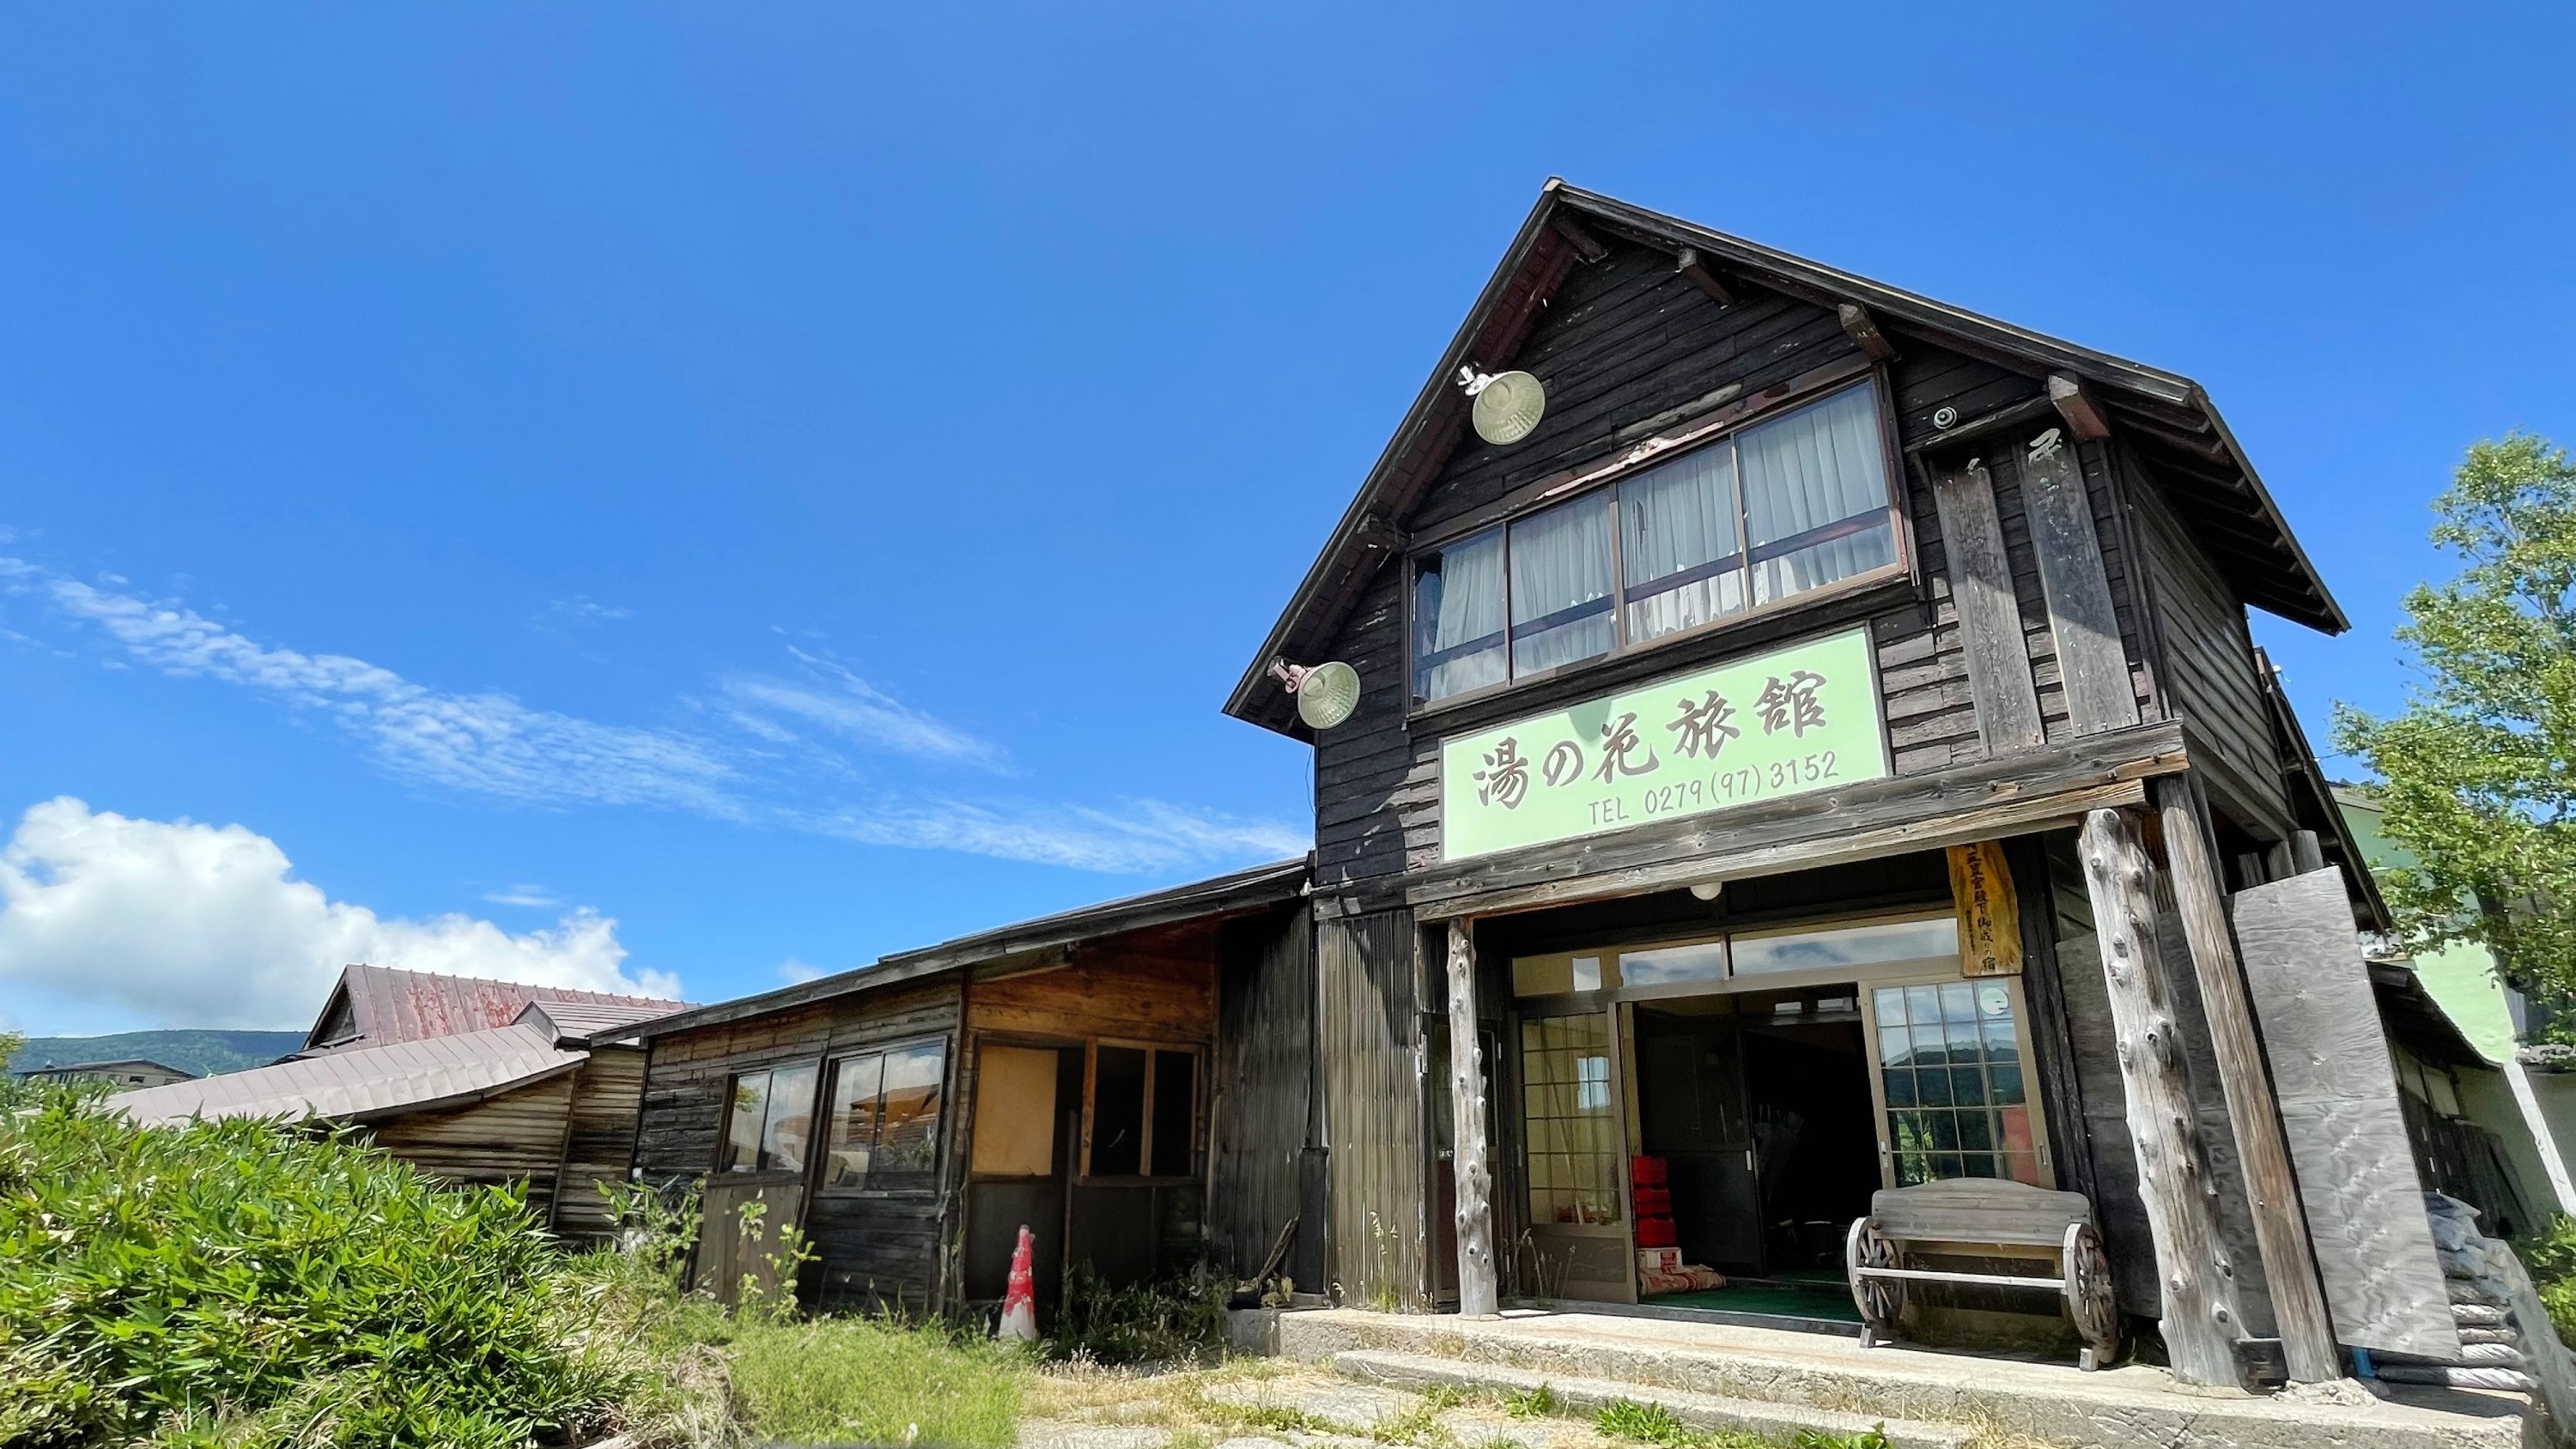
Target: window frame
(828,1092)
(724,1128)
(1145,1147)
(1602,484)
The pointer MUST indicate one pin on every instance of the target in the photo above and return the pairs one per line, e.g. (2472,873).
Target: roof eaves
(1230,894)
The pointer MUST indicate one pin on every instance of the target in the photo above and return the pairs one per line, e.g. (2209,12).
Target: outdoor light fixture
(1508,404)
(1326,693)
(1708,890)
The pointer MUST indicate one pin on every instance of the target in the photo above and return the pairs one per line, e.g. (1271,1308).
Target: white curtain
(1819,465)
(1457,603)
(1561,559)
(1676,518)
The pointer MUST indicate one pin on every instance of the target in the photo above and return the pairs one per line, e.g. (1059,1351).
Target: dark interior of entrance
(1760,1106)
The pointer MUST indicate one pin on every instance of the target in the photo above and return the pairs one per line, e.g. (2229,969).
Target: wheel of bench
(2088,1294)
(1881,1300)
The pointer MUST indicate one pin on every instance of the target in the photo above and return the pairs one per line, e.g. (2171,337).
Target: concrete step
(1585,1397)
(2130,1407)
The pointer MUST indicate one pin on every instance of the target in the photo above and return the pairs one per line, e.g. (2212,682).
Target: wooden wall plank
(2339,1109)
(1989,613)
(1103,993)
(2091,657)
(1372,1060)
(1263,1084)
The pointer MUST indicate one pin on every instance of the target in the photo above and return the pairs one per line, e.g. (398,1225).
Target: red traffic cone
(1019,1301)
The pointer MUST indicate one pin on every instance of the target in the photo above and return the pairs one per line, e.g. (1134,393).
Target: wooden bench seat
(1979,1216)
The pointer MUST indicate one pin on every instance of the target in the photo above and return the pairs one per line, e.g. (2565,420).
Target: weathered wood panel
(512,1137)
(2340,1111)
(1263,1077)
(1372,1064)
(865,1246)
(1981,583)
(2092,659)
(599,1141)
(1104,992)
(2208,662)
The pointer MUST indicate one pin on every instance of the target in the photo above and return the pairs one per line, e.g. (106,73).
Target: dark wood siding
(599,1143)
(1372,1064)
(1264,1072)
(2207,653)
(868,1248)
(511,1137)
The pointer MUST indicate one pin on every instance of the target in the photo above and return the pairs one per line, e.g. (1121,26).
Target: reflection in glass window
(885,1118)
(768,1116)
(1458,618)
(1865,945)
(1561,604)
(1572,1139)
(1949,1060)
(1704,961)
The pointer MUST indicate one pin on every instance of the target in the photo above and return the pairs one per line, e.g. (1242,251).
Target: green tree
(2479,769)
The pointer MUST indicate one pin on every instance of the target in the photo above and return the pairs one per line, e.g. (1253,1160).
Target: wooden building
(1127,1081)
(417,1059)
(126,1074)
(1810,745)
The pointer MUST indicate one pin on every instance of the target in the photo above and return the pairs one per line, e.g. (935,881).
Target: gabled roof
(364,1084)
(1240,893)
(2166,416)
(575,1023)
(379,1005)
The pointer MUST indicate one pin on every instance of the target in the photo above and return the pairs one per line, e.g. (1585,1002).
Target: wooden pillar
(2197,1285)
(2280,1227)
(1474,1178)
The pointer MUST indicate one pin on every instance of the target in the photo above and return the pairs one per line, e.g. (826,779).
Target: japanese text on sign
(1796,719)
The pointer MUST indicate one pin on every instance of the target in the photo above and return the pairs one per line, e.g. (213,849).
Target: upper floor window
(1789,505)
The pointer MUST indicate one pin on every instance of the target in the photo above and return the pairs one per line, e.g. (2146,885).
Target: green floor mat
(1792,1302)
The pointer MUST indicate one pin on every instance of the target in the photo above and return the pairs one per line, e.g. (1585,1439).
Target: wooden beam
(1470,1172)
(2091,657)
(1695,272)
(1981,586)
(1585,245)
(2083,418)
(2197,1284)
(1864,330)
(2280,1227)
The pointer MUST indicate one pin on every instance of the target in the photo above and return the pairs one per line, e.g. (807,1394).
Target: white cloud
(182,924)
(583,609)
(526,896)
(793,971)
(767,757)
(840,703)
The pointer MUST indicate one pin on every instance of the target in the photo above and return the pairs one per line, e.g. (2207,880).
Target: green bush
(1174,1320)
(239,1283)
(2550,1257)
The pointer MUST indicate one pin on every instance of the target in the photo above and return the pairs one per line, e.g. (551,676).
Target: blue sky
(667,494)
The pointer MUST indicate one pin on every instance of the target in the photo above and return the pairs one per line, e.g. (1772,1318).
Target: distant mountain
(202,1052)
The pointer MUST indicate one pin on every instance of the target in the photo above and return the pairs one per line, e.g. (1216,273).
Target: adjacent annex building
(1809,792)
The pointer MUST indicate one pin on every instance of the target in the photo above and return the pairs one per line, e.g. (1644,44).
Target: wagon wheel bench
(1983,1213)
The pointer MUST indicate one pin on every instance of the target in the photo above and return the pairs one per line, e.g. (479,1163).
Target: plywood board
(1015,1112)
(2339,1109)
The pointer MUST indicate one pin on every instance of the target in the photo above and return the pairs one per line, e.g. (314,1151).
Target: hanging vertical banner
(1989,919)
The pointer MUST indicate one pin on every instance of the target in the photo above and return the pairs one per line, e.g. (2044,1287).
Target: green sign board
(1783,723)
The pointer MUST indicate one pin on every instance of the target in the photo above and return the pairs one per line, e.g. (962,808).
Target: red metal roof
(385,1006)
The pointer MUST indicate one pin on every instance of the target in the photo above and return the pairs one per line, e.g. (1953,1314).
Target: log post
(2198,1285)
(2280,1227)
(1473,1178)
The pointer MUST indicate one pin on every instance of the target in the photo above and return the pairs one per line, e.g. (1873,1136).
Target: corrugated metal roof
(579,1021)
(363,1083)
(387,1005)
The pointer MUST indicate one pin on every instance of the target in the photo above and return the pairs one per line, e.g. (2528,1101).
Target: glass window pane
(1923,1005)
(1560,566)
(1888,1003)
(1900,1088)
(1458,618)
(1175,1114)
(1934,1086)
(907,1150)
(1967,1086)
(744,1115)
(1976,1131)
(2007,1083)
(1815,495)
(1569,1133)
(1705,961)
(1681,547)
(852,1143)
(1895,1046)
(789,1123)
(1118,1112)
(1846,946)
